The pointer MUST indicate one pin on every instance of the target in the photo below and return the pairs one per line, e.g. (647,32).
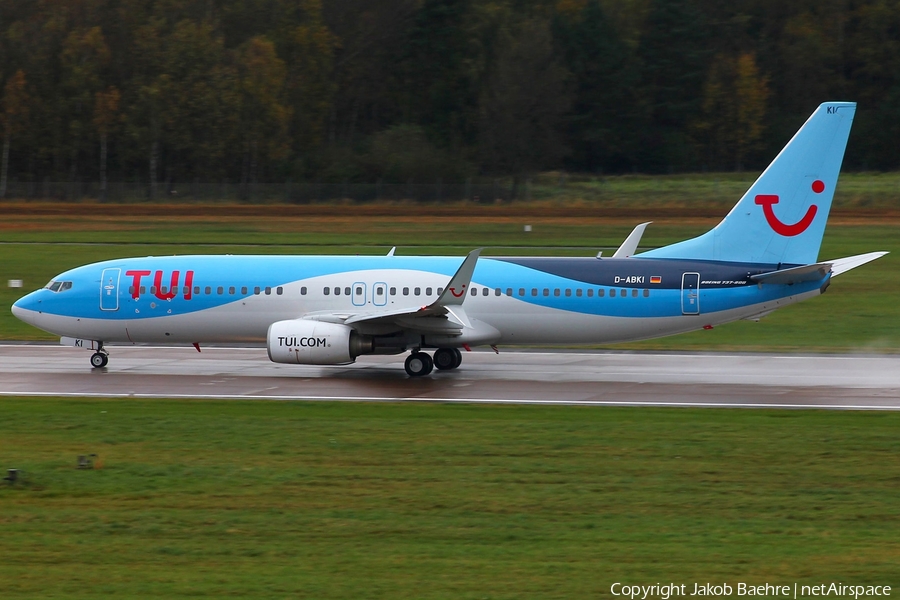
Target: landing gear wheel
(99,360)
(418,364)
(458,358)
(447,358)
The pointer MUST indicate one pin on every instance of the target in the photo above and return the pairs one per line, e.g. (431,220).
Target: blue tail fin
(781,218)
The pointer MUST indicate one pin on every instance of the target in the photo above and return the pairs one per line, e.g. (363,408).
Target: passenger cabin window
(497,292)
(440,291)
(256,290)
(279,290)
(326,291)
(337,291)
(244,290)
(208,290)
(534,291)
(231,290)
(303,291)
(556,292)
(428,291)
(646,293)
(612,293)
(509,291)
(634,293)
(578,293)
(417,291)
(485,291)
(473,291)
(347,291)
(144,289)
(591,293)
(521,291)
(546,292)
(220,290)
(600,293)
(406,291)
(196,290)
(568,293)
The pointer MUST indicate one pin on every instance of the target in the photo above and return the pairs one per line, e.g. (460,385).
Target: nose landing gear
(99,360)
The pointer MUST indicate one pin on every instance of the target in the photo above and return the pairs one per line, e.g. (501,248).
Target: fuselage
(210,299)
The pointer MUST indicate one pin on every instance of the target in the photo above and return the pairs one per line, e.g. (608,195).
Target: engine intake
(305,342)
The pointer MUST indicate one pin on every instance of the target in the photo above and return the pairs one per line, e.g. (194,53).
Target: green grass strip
(214,499)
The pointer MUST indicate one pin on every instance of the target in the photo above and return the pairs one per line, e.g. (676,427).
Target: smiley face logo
(785,229)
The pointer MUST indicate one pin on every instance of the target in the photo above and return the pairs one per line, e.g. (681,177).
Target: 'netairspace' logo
(665,591)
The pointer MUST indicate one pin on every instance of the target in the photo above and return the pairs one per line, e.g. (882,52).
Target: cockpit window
(59,286)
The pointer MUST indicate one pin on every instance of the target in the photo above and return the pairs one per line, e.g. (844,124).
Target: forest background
(400,91)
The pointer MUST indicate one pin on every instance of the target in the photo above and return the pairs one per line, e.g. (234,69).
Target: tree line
(164,91)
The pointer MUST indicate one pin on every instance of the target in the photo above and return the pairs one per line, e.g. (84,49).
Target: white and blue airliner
(331,309)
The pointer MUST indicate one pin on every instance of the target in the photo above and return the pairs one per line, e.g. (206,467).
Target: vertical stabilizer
(781,218)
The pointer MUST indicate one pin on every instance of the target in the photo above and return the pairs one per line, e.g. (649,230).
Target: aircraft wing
(626,250)
(444,314)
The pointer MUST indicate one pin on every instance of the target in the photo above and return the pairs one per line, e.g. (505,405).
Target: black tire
(446,358)
(418,364)
(99,360)
(458,358)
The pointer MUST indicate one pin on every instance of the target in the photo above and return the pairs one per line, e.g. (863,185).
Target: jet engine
(306,342)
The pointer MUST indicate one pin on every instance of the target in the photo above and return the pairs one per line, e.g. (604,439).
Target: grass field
(340,500)
(860,312)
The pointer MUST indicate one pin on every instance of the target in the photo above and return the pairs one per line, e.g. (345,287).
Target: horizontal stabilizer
(816,271)
(842,265)
(813,272)
(626,250)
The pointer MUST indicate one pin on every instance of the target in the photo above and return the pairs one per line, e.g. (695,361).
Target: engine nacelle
(305,342)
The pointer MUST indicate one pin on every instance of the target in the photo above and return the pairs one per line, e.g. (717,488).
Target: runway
(516,377)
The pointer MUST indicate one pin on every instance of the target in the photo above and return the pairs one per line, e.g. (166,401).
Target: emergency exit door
(690,294)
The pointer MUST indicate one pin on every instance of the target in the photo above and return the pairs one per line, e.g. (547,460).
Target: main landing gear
(100,358)
(419,364)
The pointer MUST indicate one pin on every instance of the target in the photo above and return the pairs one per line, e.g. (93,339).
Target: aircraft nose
(26,307)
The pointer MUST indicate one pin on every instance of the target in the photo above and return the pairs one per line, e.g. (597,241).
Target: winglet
(626,250)
(391,251)
(456,290)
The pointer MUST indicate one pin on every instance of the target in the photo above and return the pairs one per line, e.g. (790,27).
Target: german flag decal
(655,279)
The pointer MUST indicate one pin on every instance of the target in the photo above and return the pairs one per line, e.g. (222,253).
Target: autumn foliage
(246,91)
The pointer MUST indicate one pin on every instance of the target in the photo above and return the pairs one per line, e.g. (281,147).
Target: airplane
(329,310)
